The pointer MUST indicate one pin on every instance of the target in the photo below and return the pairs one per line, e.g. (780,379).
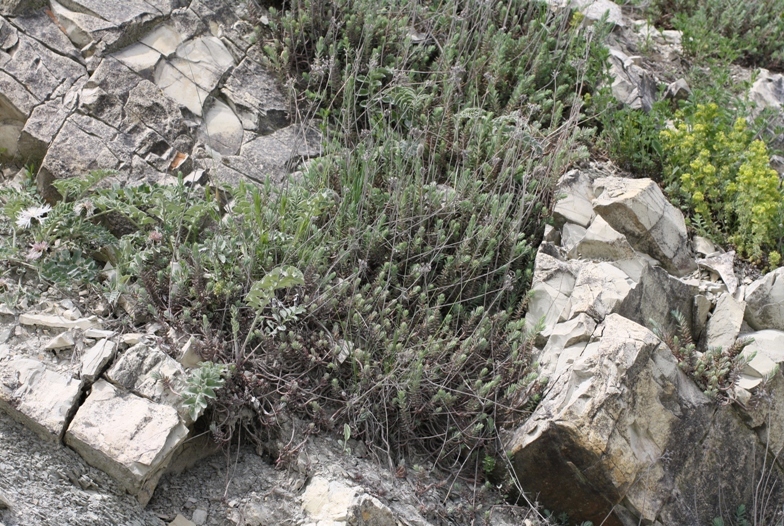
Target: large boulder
(638,209)
(623,437)
(130,438)
(765,301)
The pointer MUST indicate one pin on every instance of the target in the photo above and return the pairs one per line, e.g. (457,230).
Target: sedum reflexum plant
(722,176)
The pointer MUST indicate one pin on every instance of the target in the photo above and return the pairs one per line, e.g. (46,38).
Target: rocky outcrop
(621,435)
(139,87)
(613,441)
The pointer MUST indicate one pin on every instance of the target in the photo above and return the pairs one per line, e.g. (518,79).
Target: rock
(199,517)
(5,501)
(146,372)
(130,438)
(98,333)
(764,353)
(552,285)
(38,397)
(222,130)
(593,10)
(638,209)
(180,520)
(702,307)
(604,243)
(652,302)
(567,341)
(19,7)
(60,322)
(189,354)
(256,99)
(703,246)
(272,155)
(40,130)
(190,76)
(678,90)
(575,205)
(329,502)
(599,290)
(180,88)
(96,359)
(571,235)
(164,39)
(767,92)
(61,341)
(765,301)
(595,446)
(724,266)
(325,500)
(139,57)
(631,85)
(725,323)
(53,75)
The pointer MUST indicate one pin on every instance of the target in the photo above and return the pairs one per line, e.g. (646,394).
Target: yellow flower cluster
(726,179)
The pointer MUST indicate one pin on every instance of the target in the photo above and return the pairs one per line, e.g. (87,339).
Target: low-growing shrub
(725,29)
(723,178)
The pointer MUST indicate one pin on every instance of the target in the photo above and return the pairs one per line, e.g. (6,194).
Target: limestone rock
(575,205)
(18,7)
(552,285)
(272,155)
(599,290)
(725,323)
(765,301)
(765,352)
(678,90)
(38,397)
(594,446)
(128,437)
(767,92)
(703,246)
(655,297)
(603,242)
(571,235)
(333,502)
(724,266)
(567,341)
(593,10)
(222,130)
(254,95)
(631,85)
(638,209)
(142,370)
(702,307)
(96,358)
(60,322)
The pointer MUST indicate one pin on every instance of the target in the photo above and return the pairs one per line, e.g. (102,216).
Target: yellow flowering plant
(722,175)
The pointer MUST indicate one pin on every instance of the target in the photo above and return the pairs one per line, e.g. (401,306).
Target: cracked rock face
(621,435)
(137,86)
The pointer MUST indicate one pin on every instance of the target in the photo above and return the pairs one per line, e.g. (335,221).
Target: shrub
(631,138)
(725,29)
(723,177)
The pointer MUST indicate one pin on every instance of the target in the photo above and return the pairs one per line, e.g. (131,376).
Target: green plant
(632,139)
(726,29)
(201,386)
(724,179)
(716,370)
